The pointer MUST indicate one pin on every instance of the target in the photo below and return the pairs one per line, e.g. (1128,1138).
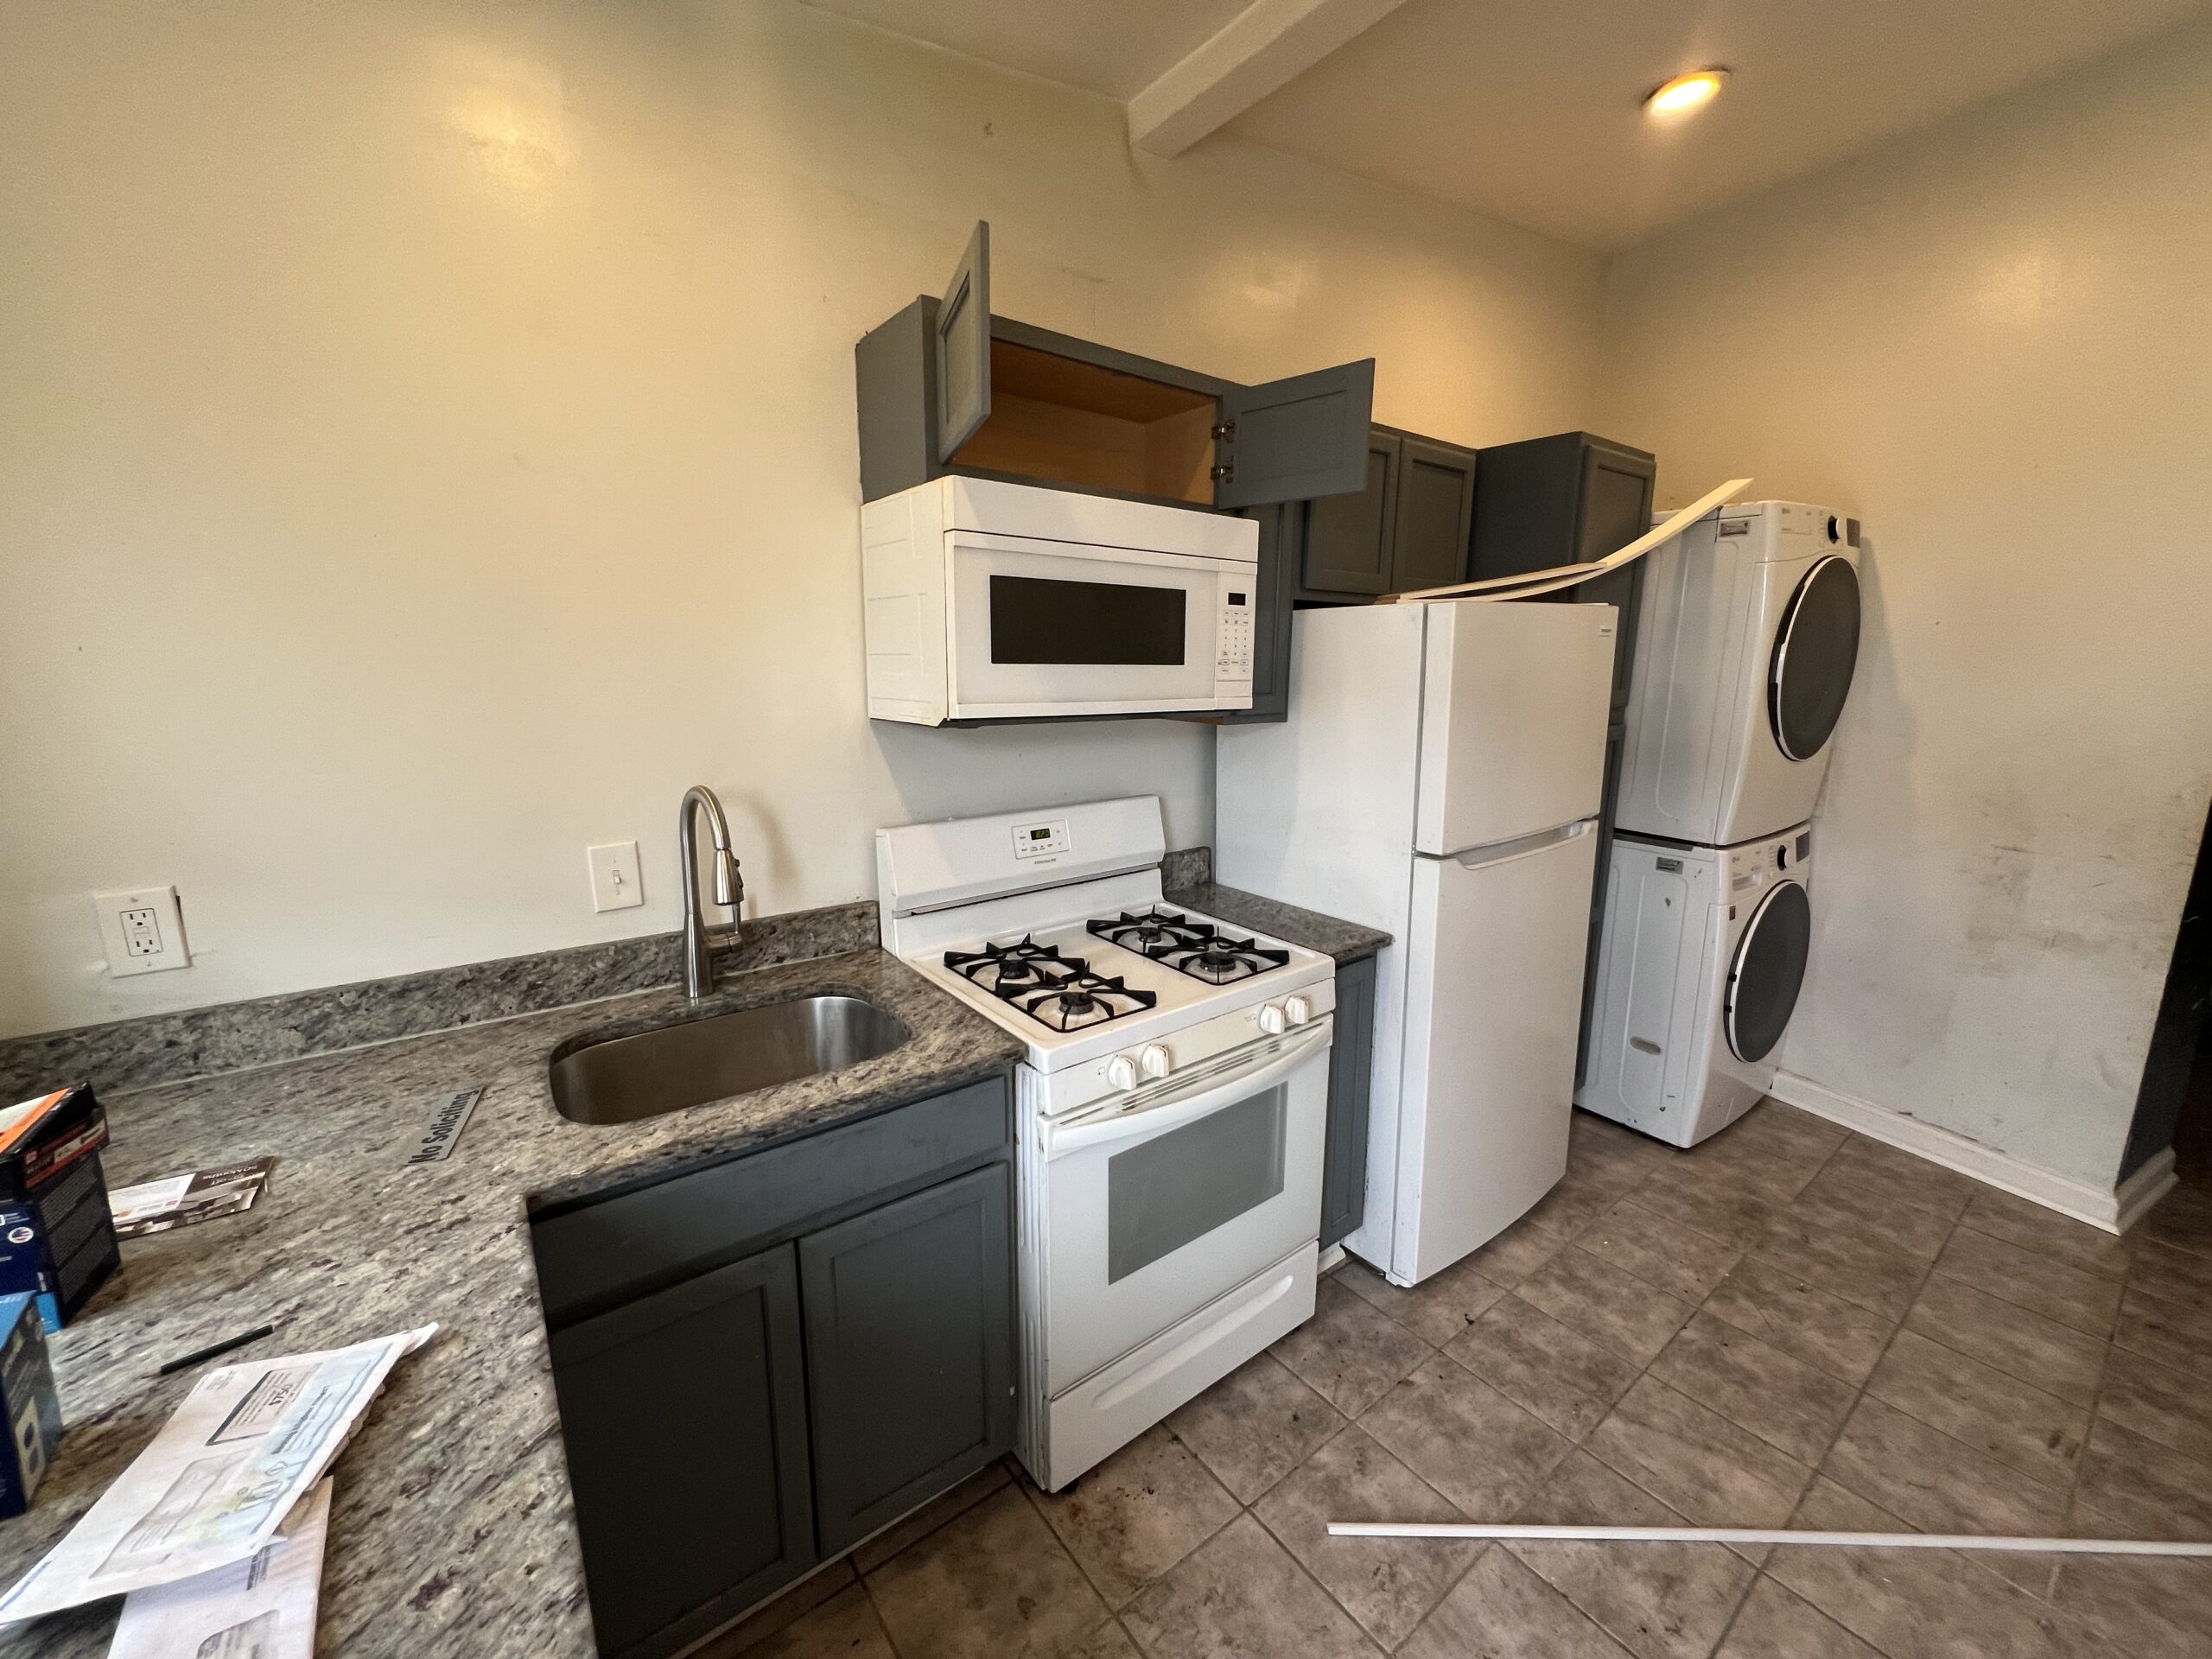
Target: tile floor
(1789,1324)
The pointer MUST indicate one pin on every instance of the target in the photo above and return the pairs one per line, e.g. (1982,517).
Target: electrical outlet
(141,930)
(614,884)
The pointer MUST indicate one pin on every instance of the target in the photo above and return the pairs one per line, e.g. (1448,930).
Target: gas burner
(1220,960)
(1154,933)
(1086,999)
(1006,970)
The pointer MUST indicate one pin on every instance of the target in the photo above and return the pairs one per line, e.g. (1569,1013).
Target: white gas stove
(1172,1107)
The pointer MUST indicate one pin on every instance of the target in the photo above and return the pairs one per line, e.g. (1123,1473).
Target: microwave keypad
(1234,658)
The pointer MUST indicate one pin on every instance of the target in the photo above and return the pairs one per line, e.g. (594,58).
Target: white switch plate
(614,884)
(141,930)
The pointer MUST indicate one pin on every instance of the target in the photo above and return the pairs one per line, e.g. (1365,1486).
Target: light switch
(141,930)
(614,884)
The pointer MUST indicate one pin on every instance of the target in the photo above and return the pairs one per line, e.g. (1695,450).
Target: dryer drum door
(1769,968)
(1815,650)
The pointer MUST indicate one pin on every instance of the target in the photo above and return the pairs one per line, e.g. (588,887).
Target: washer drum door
(1815,650)
(1769,968)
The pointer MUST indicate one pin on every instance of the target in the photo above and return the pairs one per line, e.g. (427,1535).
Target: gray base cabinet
(1351,1066)
(761,1362)
(691,1490)
(910,1350)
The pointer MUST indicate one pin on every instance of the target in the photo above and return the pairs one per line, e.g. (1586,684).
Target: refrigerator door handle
(1507,852)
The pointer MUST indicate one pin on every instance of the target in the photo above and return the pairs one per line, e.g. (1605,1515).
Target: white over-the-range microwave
(992,600)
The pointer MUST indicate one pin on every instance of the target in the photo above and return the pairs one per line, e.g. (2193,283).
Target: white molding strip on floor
(2111,1210)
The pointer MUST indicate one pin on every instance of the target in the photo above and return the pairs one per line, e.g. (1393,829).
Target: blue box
(32,1409)
(57,1239)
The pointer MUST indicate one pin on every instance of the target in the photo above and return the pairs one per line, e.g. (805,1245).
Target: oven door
(1042,627)
(1161,1201)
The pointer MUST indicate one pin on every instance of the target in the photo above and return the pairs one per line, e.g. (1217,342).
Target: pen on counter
(215,1349)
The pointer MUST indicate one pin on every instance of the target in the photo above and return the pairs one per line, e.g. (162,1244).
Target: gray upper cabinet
(944,386)
(1568,499)
(910,1350)
(1407,529)
(1348,536)
(963,347)
(1436,503)
(696,1400)
(1294,440)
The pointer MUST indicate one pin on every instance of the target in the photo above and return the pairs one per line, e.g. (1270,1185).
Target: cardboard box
(57,1239)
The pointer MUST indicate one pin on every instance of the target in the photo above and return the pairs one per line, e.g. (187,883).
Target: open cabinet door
(963,347)
(1296,439)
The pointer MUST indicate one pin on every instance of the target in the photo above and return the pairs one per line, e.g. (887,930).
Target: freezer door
(1514,704)
(1493,999)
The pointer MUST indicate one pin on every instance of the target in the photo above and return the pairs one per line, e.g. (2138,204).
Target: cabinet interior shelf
(1083,424)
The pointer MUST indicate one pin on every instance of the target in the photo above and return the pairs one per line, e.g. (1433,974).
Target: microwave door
(1047,628)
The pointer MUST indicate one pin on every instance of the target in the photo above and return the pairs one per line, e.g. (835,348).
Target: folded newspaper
(263,1607)
(218,1481)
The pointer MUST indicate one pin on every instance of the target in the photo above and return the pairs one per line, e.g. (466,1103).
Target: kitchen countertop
(1345,941)
(452,1530)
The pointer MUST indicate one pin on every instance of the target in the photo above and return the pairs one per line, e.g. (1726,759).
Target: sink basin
(624,1080)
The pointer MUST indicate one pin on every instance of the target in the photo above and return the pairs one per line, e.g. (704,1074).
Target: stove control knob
(1156,1061)
(1297,1010)
(1273,1020)
(1121,1072)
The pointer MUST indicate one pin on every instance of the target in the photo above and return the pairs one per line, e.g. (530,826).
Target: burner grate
(1025,965)
(1056,990)
(1086,999)
(1149,932)
(1197,949)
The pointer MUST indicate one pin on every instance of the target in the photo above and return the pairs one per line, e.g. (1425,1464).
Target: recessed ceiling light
(1685,92)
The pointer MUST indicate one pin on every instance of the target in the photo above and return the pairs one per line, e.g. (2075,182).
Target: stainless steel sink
(623,1080)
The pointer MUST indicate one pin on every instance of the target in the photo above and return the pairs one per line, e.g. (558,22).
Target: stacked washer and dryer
(1743,658)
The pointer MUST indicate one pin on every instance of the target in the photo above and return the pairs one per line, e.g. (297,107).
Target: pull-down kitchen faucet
(729,887)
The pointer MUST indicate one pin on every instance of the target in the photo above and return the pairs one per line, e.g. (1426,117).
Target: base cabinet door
(909,1317)
(684,1414)
(1351,1064)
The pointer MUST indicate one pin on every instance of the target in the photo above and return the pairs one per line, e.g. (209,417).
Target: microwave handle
(1059,1139)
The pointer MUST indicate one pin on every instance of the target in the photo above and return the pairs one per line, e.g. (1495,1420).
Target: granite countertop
(452,1530)
(1345,941)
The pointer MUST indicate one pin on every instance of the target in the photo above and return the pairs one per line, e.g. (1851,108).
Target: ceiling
(1530,112)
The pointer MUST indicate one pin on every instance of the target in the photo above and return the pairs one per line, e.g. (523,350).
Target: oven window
(1163,1192)
(1036,620)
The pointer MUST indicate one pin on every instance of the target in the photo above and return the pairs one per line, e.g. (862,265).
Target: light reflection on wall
(513,116)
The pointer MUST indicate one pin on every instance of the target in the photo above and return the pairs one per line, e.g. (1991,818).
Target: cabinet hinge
(1221,430)
(1223,472)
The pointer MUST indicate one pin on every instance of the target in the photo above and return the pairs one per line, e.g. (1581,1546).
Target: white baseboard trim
(2108,1209)
(2135,1195)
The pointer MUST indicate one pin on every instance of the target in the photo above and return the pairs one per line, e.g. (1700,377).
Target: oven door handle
(1123,1124)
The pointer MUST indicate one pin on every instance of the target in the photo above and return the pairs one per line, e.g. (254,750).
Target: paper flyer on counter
(219,1479)
(263,1607)
(181,1200)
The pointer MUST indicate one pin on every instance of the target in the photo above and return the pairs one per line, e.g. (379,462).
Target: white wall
(427,446)
(1994,342)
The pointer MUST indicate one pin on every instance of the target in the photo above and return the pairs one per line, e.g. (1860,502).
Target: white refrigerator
(1440,777)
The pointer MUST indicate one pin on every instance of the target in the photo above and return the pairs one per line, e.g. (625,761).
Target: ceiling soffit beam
(1265,46)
